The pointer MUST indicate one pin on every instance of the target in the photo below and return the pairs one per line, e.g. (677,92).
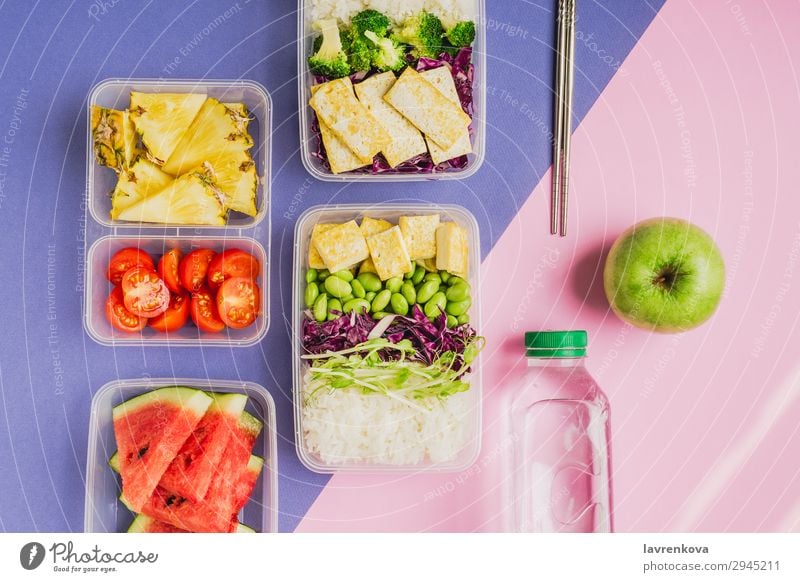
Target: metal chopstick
(561,39)
(568,89)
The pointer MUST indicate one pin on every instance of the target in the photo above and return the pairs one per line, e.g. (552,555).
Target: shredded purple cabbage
(430,339)
(463,72)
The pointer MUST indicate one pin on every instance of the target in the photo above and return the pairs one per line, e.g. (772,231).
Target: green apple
(664,274)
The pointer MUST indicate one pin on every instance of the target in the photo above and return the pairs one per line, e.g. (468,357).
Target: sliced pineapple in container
(216,131)
(236,177)
(162,119)
(241,110)
(193,198)
(114,136)
(142,179)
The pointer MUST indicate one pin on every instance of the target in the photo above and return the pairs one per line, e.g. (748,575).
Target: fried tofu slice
(442,79)
(342,246)
(451,249)
(389,253)
(419,233)
(340,157)
(314,260)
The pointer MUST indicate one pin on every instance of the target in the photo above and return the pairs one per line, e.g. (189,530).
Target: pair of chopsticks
(565,78)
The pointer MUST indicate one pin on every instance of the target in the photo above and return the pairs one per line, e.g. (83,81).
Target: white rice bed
(449,11)
(347,426)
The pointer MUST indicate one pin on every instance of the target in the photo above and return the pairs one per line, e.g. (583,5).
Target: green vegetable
(388,55)
(458,293)
(358,289)
(370,296)
(312,292)
(344,275)
(381,300)
(321,308)
(424,33)
(457,308)
(322,275)
(370,281)
(334,305)
(311,275)
(462,34)
(419,274)
(435,305)
(370,20)
(426,291)
(337,287)
(356,305)
(394,284)
(380,315)
(433,277)
(362,50)
(452,321)
(444,275)
(330,59)
(399,304)
(409,292)
(456,281)
(462,319)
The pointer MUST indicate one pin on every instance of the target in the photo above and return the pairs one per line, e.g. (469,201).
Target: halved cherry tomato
(126,259)
(168,269)
(145,294)
(231,263)
(193,269)
(204,311)
(175,316)
(238,302)
(118,315)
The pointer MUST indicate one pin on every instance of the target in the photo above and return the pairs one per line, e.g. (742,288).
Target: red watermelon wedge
(150,430)
(190,473)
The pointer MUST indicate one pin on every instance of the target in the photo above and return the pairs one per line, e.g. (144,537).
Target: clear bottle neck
(556,362)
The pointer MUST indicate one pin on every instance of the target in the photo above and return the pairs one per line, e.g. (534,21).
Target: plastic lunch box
(390,212)
(104,236)
(308,140)
(104,512)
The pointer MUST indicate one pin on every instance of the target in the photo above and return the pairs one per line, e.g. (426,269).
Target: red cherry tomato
(126,259)
(204,311)
(175,316)
(238,302)
(193,269)
(119,316)
(232,263)
(145,294)
(168,269)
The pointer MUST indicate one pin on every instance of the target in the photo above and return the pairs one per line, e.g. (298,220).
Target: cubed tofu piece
(389,253)
(314,260)
(336,105)
(340,157)
(427,108)
(370,226)
(419,233)
(442,79)
(451,249)
(406,140)
(342,246)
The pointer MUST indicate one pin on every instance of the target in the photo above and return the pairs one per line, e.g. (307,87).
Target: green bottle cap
(556,344)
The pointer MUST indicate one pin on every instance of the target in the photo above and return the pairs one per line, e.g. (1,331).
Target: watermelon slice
(150,430)
(190,474)
(144,524)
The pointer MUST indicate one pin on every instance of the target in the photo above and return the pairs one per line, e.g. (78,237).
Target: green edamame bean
(334,305)
(312,292)
(445,276)
(380,314)
(344,275)
(409,292)
(426,291)
(356,305)
(458,293)
(462,319)
(453,280)
(452,321)
(311,275)
(394,284)
(435,305)
(358,289)
(370,282)
(347,298)
(322,275)
(433,277)
(458,307)
(321,308)
(337,287)
(408,275)
(419,274)
(370,296)
(381,300)
(399,304)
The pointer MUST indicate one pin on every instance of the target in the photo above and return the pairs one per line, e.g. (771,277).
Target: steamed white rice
(347,426)
(449,11)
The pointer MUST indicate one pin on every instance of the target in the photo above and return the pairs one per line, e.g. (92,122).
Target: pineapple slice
(241,110)
(114,137)
(193,198)
(236,177)
(216,131)
(162,119)
(142,179)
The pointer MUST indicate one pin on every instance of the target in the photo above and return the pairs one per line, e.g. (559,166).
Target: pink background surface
(701,122)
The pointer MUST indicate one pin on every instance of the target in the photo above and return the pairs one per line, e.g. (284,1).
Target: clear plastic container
(104,513)
(97,288)
(391,212)
(115,93)
(308,139)
(558,465)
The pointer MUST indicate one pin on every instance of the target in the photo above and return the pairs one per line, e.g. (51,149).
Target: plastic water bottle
(558,466)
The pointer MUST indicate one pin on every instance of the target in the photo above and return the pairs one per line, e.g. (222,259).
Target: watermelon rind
(113,462)
(143,524)
(242,528)
(189,398)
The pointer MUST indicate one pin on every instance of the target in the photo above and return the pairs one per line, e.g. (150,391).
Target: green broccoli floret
(388,56)
(370,20)
(424,32)
(360,55)
(462,34)
(362,51)
(329,57)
